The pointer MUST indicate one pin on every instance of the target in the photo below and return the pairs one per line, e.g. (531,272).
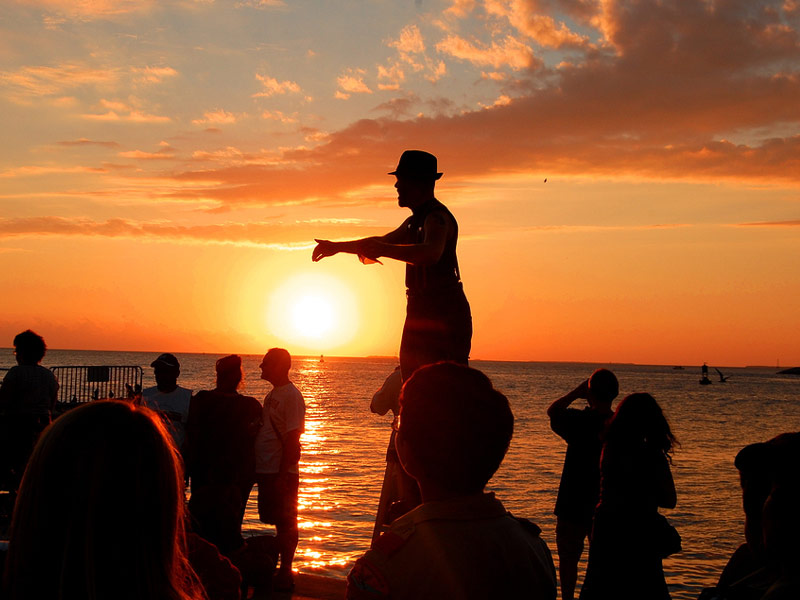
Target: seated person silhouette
(100,511)
(460,543)
(763,467)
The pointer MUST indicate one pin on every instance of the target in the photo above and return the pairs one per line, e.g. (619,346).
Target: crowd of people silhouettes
(438,533)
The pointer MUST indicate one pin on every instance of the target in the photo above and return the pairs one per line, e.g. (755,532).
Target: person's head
(29,347)
(229,372)
(640,420)
(166,370)
(275,366)
(603,388)
(455,427)
(416,174)
(100,511)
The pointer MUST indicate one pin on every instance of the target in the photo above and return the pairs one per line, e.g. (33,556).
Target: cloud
(265,4)
(88,9)
(411,54)
(274,235)
(794,223)
(527,18)
(117,111)
(277,115)
(85,142)
(39,170)
(153,74)
(218,117)
(509,52)
(165,152)
(273,87)
(352,82)
(32,82)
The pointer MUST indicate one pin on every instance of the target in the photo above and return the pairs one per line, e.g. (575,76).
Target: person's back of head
(603,386)
(229,372)
(639,419)
(455,427)
(29,347)
(100,511)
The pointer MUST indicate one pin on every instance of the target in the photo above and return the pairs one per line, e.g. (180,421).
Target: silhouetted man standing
(167,398)
(438,321)
(580,480)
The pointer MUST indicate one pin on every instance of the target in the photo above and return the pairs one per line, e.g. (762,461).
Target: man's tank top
(444,273)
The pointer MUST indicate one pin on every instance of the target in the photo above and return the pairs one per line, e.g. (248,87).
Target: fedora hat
(417,164)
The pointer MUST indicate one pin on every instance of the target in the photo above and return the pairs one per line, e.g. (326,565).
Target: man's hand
(323,249)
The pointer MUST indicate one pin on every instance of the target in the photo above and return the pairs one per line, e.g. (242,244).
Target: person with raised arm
(438,322)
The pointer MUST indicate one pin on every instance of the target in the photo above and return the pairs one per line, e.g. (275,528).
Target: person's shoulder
(151,391)
(290,390)
(370,577)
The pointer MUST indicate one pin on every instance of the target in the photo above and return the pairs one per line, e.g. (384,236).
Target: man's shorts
(275,506)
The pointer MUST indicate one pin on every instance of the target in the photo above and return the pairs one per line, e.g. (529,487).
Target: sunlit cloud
(526,17)
(792,223)
(277,115)
(89,9)
(153,74)
(31,82)
(272,235)
(85,142)
(411,54)
(217,117)
(509,52)
(164,152)
(117,111)
(40,170)
(261,3)
(352,82)
(273,87)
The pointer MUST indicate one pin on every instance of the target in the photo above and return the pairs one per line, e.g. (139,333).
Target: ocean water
(344,447)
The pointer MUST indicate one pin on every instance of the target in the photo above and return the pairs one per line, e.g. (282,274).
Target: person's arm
(290,453)
(325,248)
(666,496)
(436,231)
(560,405)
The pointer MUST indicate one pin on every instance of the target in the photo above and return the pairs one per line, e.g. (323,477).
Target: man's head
(166,370)
(229,372)
(275,366)
(603,388)
(416,178)
(29,347)
(455,428)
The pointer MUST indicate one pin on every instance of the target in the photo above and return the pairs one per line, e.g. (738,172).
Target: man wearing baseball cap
(167,398)
(438,322)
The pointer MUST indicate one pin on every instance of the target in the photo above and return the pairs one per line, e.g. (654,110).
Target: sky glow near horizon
(166,167)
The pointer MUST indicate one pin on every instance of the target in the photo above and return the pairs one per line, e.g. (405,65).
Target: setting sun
(315,311)
(312,316)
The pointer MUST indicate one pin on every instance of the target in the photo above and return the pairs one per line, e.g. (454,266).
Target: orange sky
(166,166)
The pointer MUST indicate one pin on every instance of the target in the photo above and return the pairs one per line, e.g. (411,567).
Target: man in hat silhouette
(438,320)
(167,398)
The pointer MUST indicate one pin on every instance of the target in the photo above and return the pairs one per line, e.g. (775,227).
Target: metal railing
(84,384)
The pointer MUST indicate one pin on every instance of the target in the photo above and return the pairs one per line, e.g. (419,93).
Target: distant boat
(321,358)
(792,371)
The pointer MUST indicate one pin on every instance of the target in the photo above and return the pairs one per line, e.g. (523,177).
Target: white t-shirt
(173,406)
(285,407)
